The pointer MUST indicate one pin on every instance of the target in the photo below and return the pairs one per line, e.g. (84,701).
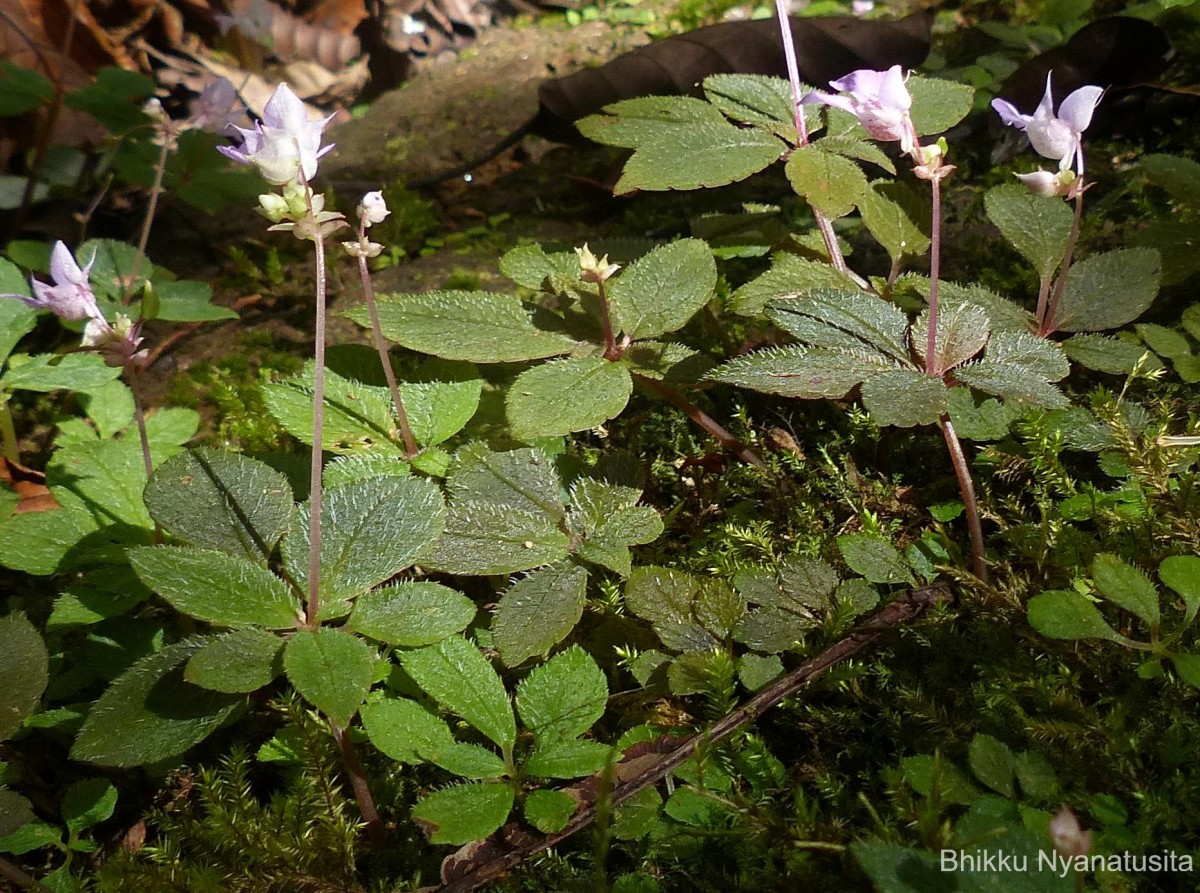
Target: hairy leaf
(897,217)
(660,292)
(1105,291)
(563,697)
(24,667)
(1064,614)
(563,396)
(239,661)
(539,611)
(484,538)
(832,184)
(456,675)
(821,318)
(463,813)
(331,669)
(1037,226)
(411,613)
(789,278)
(1126,586)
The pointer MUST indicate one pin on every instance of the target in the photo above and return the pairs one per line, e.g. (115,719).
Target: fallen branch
(487,860)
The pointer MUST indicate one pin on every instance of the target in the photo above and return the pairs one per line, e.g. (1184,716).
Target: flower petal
(892,92)
(1076,110)
(838,102)
(285,110)
(1009,115)
(1045,109)
(63,268)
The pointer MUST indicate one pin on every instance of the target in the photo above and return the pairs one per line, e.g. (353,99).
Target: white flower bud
(372,208)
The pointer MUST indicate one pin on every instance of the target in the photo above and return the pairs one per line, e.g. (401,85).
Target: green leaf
(187,300)
(1019,367)
(1103,353)
(962,332)
(1163,341)
(16,320)
(563,396)
(532,267)
(150,713)
(549,811)
(358,417)
(638,815)
(88,802)
(689,613)
(567,759)
(1037,226)
(24,89)
(938,104)
(563,697)
(1105,291)
(667,362)
(331,669)
(632,122)
(411,614)
(221,500)
(993,764)
(897,217)
(539,611)
(440,399)
(483,538)
(463,813)
(661,291)
(610,521)
(1182,574)
(24,667)
(989,420)
(362,466)
(54,372)
(30,837)
(479,327)
(893,868)
(404,730)
(101,484)
(15,811)
(110,408)
(239,661)
(217,587)
(1062,614)
(905,398)
(523,479)
(870,555)
(799,371)
(847,320)
(39,542)
(754,99)
(789,278)
(1187,667)
(849,146)
(1178,175)
(832,184)
(371,530)
(756,670)
(1126,586)
(456,675)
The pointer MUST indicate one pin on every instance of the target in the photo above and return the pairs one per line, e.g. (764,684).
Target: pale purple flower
(1055,136)
(212,109)
(879,100)
(285,144)
(1067,835)
(372,208)
(70,297)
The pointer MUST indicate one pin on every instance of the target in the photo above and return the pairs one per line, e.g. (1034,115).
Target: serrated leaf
(1105,291)
(989,420)
(88,802)
(1125,586)
(1062,614)
(661,291)
(905,398)
(897,217)
(962,332)
(846,319)
(1019,367)
(754,99)
(150,713)
(848,146)
(539,611)
(563,697)
(717,153)
(771,630)
(216,586)
(875,558)
(411,614)
(523,479)
(674,603)
(480,327)
(32,836)
(463,813)
(54,372)
(24,667)
(404,730)
(832,184)
(530,266)
(221,500)
(1187,667)
(16,320)
(938,104)
(610,521)
(993,764)
(637,816)
(358,417)
(1182,574)
(564,396)
(331,669)
(1163,341)
(240,661)
(567,759)
(1178,175)
(483,538)
(15,811)
(370,531)
(456,675)
(549,811)
(632,122)
(756,670)
(1103,353)
(1037,226)
(667,361)
(440,398)
(789,278)
(39,542)
(799,371)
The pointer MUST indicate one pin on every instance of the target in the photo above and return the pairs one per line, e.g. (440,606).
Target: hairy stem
(313,607)
(139,416)
(966,487)
(824,226)
(935,270)
(362,789)
(701,418)
(410,442)
(675,754)
(1045,321)
(611,350)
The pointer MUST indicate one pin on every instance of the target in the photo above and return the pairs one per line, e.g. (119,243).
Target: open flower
(285,144)
(71,296)
(879,100)
(1055,136)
